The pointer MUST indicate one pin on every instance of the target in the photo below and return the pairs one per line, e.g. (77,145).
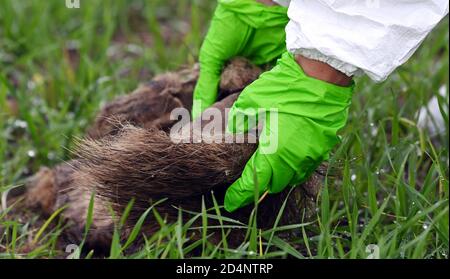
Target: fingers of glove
(250,107)
(303,144)
(226,37)
(241,120)
(255,178)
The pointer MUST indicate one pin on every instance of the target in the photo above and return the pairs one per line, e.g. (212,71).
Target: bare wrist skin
(267,2)
(322,71)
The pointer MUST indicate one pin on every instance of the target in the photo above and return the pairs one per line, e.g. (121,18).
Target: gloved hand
(239,28)
(310,112)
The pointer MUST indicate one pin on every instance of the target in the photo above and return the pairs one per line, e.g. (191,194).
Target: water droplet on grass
(31,153)
(20,124)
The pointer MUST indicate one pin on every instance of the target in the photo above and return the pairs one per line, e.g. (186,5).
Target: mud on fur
(128,154)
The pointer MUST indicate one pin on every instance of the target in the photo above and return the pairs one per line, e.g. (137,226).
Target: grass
(61,64)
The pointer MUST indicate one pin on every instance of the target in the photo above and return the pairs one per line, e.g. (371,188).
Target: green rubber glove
(310,113)
(239,28)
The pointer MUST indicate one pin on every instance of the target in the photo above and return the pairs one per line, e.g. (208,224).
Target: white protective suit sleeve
(361,36)
(283,2)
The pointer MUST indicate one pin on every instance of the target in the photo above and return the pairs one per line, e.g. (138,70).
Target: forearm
(322,71)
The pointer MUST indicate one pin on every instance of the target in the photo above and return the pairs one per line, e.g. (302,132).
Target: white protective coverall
(361,36)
